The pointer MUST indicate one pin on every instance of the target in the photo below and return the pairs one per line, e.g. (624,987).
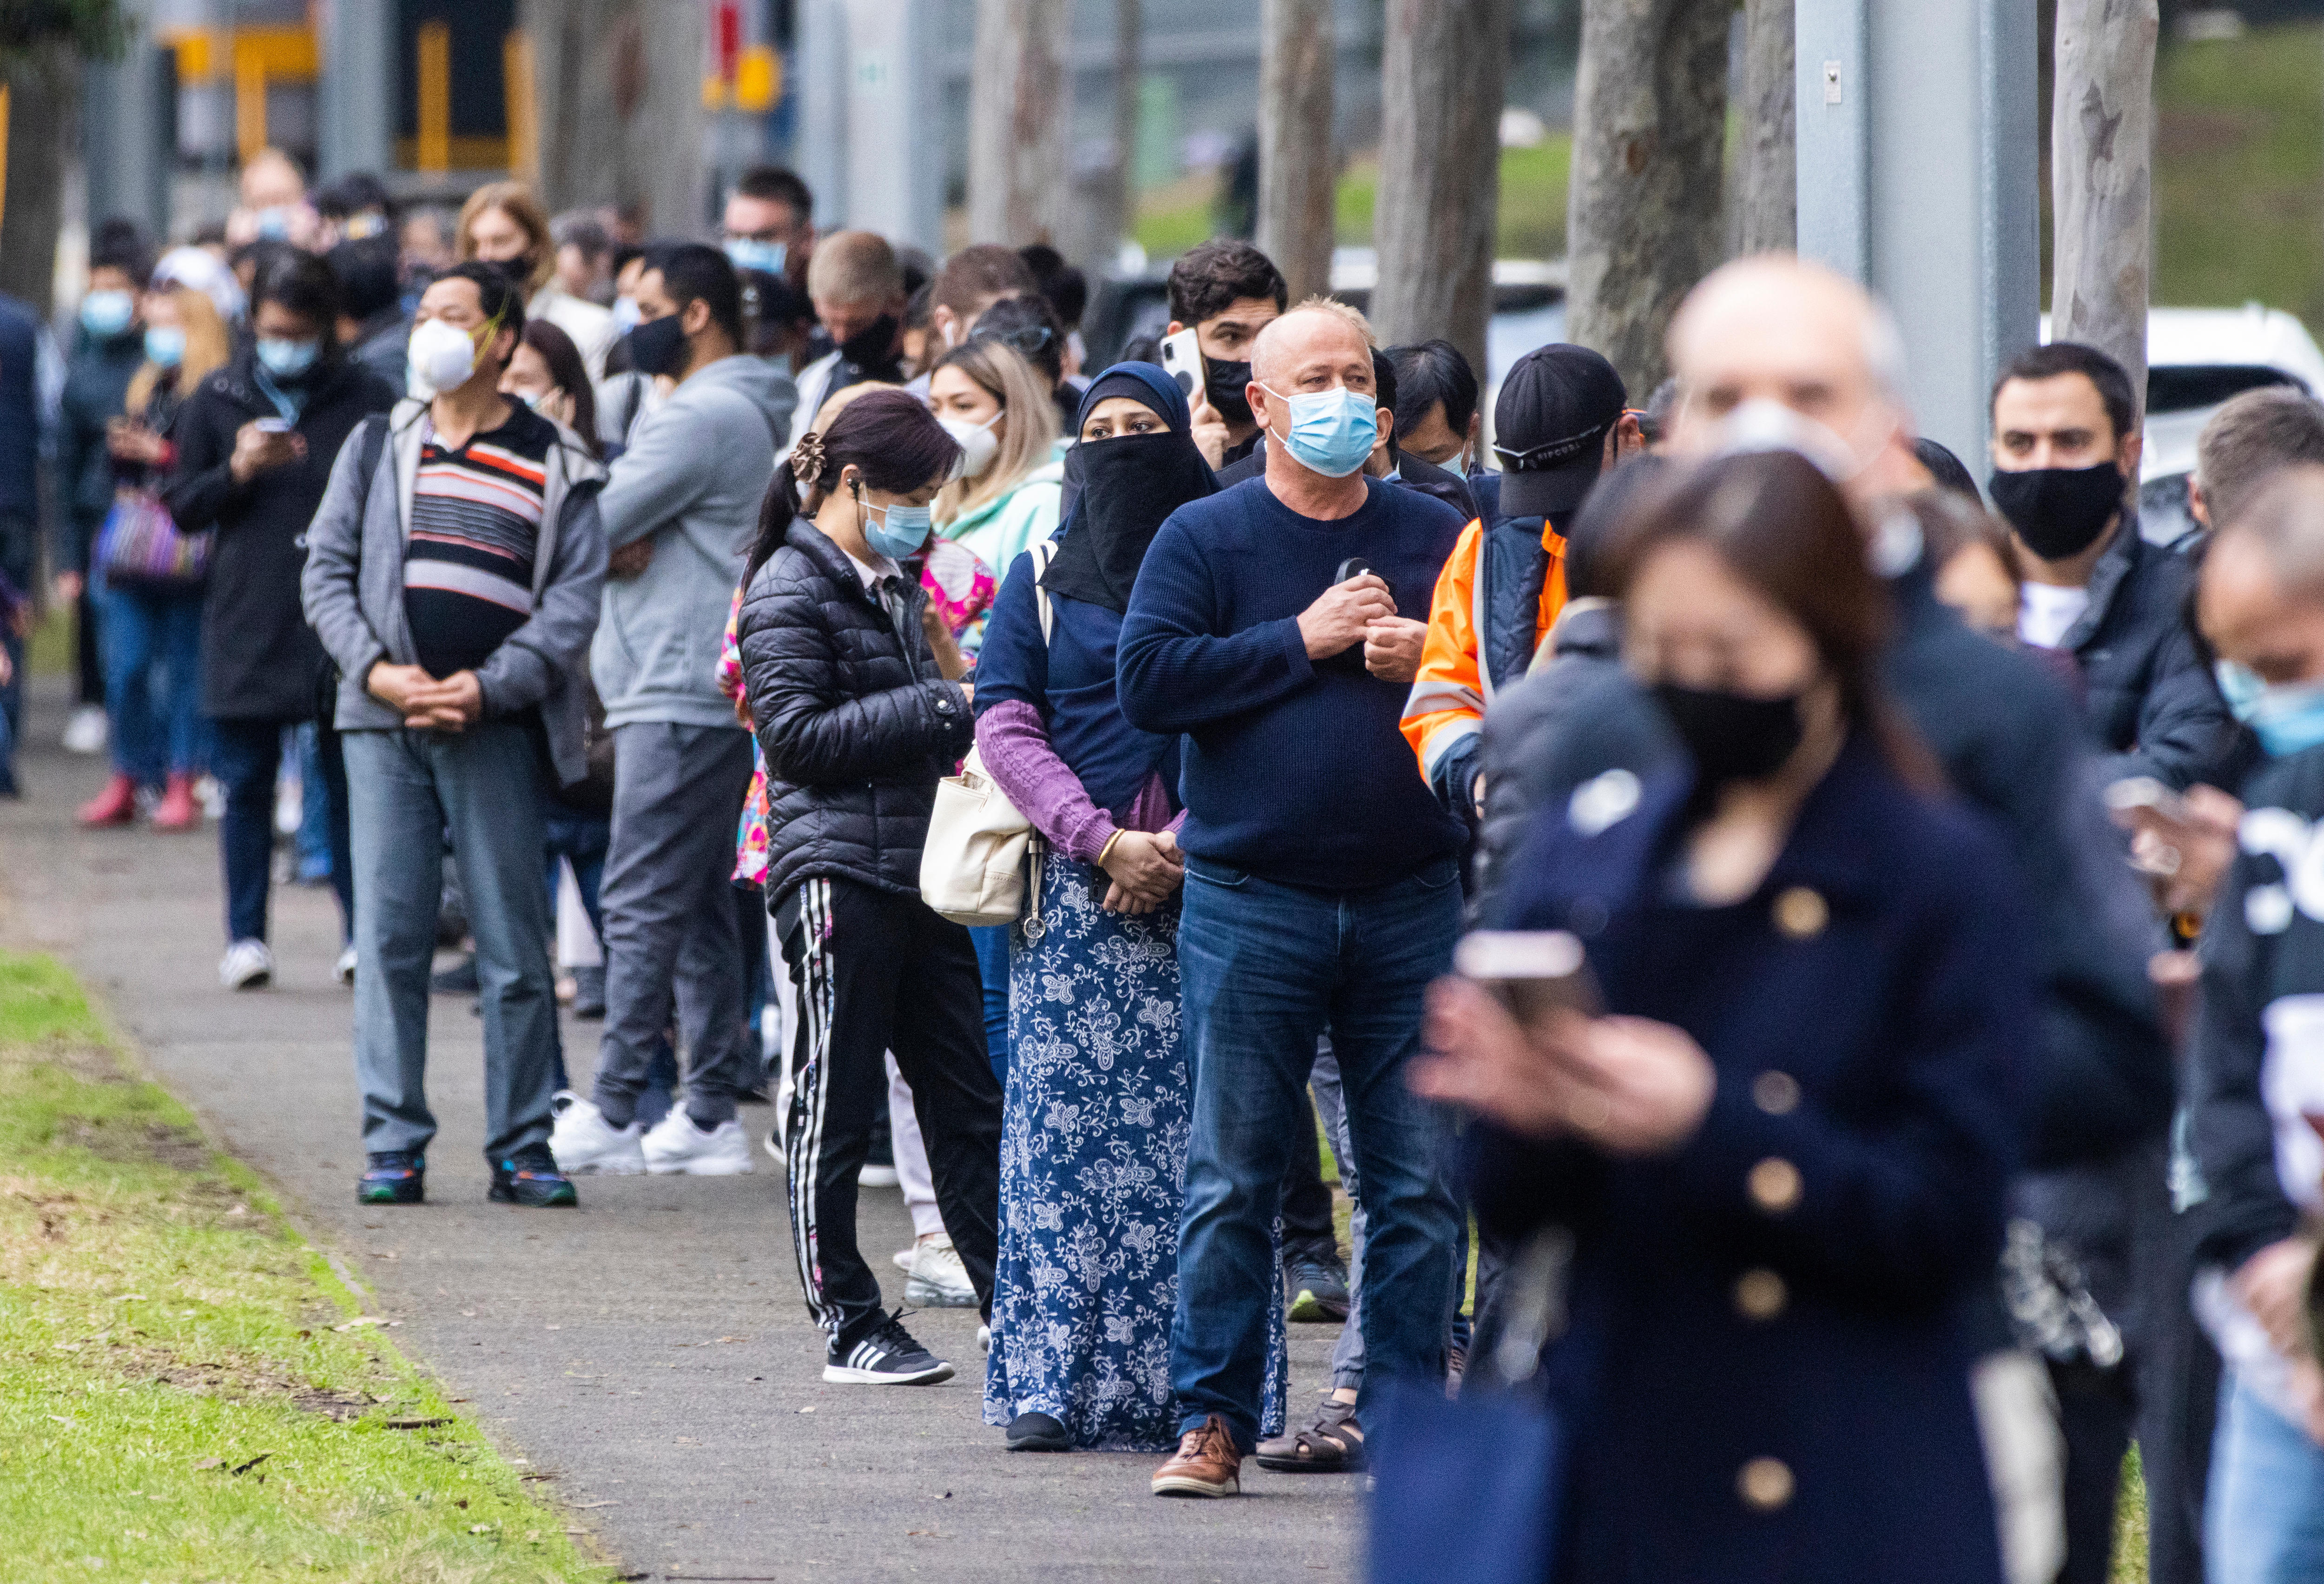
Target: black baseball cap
(1557,403)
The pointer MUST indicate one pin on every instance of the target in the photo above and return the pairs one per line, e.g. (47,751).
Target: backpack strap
(374,446)
(1042,554)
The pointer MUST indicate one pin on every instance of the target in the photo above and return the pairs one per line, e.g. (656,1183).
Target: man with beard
(1225,291)
(2066,443)
(858,292)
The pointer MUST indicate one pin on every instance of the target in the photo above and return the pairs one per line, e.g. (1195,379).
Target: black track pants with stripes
(882,973)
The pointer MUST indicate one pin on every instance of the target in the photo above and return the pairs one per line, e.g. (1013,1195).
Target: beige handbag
(983,858)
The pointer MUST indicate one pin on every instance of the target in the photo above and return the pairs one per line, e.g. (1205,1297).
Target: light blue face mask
(287,359)
(753,252)
(1332,431)
(2288,718)
(165,345)
(105,314)
(899,530)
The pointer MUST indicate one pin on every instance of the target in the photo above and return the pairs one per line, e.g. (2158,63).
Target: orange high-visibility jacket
(1447,708)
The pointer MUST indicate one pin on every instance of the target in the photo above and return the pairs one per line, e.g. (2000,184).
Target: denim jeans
(246,756)
(153,645)
(2263,1523)
(1267,968)
(992,943)
(406,791)
(580,838)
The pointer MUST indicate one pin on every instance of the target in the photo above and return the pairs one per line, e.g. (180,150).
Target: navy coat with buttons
(1763,1377)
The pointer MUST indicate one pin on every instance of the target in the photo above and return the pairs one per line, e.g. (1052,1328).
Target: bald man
(1322,877)
(2259,1047)
(857,287)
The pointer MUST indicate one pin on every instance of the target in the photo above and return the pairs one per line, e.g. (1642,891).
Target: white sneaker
(872,1176)
(904,1256)
(343,970)
(938,1279)
(246,966)
(676,1146)
(588,1145)
(86,732)
(210,793)
(773,1145)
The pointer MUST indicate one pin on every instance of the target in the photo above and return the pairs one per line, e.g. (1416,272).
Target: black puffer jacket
(855,721)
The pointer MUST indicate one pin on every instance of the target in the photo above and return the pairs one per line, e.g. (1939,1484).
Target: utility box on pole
(1918,175)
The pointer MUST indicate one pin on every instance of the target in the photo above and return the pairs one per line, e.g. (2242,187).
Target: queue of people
(1920,1107)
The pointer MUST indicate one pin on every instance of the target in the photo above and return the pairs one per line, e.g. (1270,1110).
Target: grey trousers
(672,934)
(1331,1106)
(404,788)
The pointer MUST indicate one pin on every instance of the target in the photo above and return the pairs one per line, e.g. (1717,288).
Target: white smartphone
(2147,792)
(1182,360)
(273,425)
(1533,972)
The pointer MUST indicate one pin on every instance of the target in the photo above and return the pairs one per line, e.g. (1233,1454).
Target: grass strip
(187,1390)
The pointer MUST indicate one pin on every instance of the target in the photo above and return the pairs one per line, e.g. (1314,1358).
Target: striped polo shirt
(475,523)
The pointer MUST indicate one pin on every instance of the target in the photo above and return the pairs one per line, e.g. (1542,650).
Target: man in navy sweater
(1321,876)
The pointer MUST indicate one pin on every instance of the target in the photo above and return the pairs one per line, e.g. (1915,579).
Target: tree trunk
(2101,149)
(1643,214)
(1442,65)
(1017,104)
(1768,204)
(618,85)
(1119,208)
(40,109)
(1295,164)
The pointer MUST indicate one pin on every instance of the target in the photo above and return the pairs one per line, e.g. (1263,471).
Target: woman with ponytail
(857,723)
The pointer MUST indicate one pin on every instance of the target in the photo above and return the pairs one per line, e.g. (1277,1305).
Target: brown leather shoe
(1205,1463)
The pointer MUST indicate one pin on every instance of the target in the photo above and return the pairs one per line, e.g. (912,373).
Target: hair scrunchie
(807,461)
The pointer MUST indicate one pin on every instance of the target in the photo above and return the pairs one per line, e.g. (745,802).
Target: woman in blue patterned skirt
(1095,1125)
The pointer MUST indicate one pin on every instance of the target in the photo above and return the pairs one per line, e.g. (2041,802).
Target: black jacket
(260,659)
(855,721)
(96,385)
(1412,472)
(2150,695)
(2263,955)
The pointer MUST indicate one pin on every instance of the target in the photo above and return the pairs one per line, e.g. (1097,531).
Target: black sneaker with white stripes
(886,1356)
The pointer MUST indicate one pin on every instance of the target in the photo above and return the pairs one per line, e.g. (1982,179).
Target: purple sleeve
(1014,745)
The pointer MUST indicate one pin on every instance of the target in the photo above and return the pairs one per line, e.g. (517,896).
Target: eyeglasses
(1029,339)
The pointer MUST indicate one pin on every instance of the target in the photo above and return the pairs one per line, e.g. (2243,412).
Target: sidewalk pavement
(650,1353)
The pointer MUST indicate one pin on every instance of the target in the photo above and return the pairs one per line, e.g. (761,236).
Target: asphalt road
(651,1351)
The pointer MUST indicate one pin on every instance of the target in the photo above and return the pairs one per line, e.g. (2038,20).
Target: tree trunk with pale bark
(42,105)
(1017,103)
(1643,212)
(617,86)
(1767,204)
(1296,168)
(2102,160)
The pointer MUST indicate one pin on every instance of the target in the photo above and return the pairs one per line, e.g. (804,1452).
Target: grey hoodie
(692,479)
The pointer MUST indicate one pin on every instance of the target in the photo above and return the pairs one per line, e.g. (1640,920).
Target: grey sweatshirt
(692,481)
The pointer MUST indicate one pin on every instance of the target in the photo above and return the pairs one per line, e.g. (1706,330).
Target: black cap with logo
(1557,404)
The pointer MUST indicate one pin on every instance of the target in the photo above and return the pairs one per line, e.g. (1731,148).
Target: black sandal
(1333,1444)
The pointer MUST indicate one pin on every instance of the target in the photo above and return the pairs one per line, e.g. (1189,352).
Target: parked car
(2197,358)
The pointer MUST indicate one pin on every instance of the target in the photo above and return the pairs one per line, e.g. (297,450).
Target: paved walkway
(651,1351)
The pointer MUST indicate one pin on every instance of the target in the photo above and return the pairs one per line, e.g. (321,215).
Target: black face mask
(874,347)
(1224,382)
(1730,736)
(658,346)
(2059,511)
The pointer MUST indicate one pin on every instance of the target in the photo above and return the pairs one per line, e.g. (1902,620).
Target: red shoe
(115,805)
(178,809)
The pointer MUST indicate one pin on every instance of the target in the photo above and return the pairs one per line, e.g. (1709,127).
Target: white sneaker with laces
(86,733)
(246,966)
(676,1146)
(938,1280)
(588,1145)
(343,970)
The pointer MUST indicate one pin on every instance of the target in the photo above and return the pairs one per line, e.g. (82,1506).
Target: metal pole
(124,134)
(358,130)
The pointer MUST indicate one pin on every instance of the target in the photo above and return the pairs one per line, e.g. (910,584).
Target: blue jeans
(246,756)
(405,790)
(992,943)
(1267,968)
(2263,1520)
(157,718)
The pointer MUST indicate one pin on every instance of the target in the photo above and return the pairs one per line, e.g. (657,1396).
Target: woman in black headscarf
(1094,1132)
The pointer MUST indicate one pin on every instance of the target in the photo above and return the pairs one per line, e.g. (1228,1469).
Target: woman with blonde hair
(504,224)
(156,724)
(1005,499)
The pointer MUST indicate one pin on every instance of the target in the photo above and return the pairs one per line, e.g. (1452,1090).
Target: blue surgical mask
(2287,717)
(105,314)
(752,252)
(287,359)
(165,345)
(899,530)
(274,223)
(625,314)
(1332,431)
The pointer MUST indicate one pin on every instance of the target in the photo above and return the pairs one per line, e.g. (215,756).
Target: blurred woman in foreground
(1781,1152)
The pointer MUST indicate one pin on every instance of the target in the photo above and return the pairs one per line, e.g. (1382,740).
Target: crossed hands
(427,705)
(1363,610)
(1144,869)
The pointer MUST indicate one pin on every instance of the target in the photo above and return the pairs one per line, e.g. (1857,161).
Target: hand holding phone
(1533,973)
(1182,360)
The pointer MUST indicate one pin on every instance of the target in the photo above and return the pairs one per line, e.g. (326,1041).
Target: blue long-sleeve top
(1292,769)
